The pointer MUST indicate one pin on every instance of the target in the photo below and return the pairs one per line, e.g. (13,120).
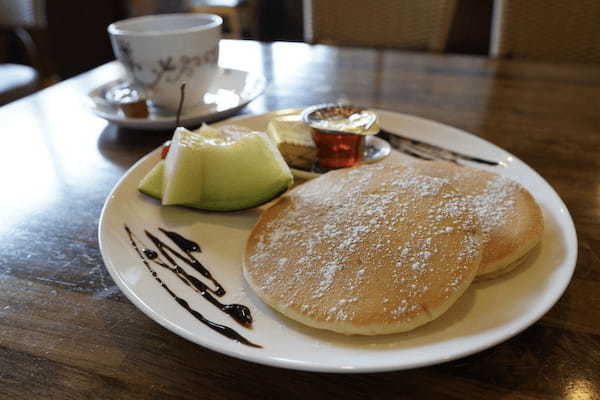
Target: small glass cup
(129,98)
(339,132)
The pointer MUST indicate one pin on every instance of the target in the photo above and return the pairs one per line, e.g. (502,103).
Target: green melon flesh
(216,170)
(152,183)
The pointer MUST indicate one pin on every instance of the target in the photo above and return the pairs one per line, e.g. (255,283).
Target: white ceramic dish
(231,90)
(487,314)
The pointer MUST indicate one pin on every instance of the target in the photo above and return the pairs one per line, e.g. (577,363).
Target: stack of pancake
(388,247)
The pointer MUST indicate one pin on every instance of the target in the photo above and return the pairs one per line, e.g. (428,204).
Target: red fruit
(165,150)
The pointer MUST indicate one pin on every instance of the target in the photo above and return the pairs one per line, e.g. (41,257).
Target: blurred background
(44,42)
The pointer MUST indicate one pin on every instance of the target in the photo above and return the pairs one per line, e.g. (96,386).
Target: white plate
(230,92)
(487,314)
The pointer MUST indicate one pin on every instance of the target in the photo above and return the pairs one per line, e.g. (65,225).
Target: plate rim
(569,261)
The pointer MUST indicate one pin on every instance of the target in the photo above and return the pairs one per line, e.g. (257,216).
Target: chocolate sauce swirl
(184,244)
(188,247)
(237,311)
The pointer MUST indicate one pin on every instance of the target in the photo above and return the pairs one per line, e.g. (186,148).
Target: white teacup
(160,52)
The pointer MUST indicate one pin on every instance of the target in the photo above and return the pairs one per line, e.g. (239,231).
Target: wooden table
(66,331)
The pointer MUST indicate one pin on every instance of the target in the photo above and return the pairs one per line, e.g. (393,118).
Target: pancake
(511,221)
(367,250)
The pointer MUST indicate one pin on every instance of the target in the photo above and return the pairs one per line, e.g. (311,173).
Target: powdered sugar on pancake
(510,220)
(361,232)
(495,203)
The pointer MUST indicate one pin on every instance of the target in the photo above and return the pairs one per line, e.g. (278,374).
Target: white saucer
(230,92)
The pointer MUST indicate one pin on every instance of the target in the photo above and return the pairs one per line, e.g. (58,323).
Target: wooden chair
(232,10)
(407,24)
(547,30)
(17,16)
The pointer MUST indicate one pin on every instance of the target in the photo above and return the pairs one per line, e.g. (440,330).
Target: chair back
(407,24)
(23,14)
(547,30)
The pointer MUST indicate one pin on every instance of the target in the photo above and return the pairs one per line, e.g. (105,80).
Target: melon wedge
(152,183)
(221,170)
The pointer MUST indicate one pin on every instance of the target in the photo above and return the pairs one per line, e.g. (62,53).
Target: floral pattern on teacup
(127,55)
(169,68)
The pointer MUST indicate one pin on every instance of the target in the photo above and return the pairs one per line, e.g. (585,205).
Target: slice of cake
(294,140)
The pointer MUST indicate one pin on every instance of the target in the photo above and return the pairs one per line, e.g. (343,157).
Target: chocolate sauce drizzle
(184,244)
(188,247)
(238,312)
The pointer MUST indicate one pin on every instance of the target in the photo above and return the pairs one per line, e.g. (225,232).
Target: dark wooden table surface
(67,332)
